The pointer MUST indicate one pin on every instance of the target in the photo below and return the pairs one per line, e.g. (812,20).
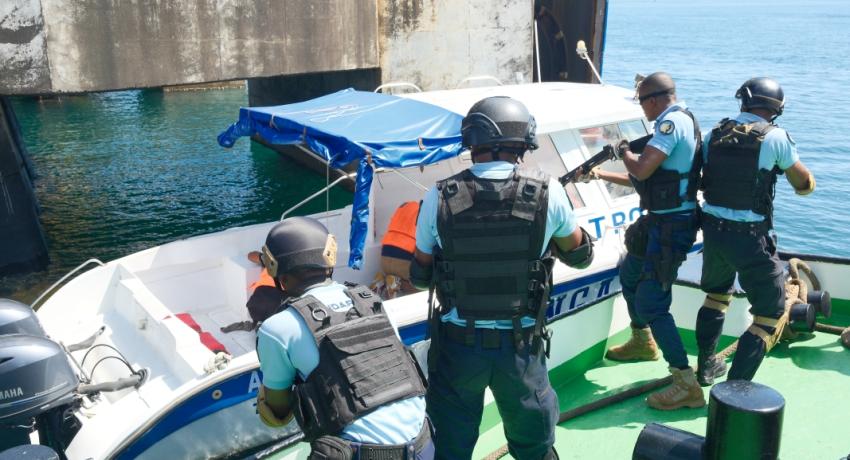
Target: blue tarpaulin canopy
(376,130)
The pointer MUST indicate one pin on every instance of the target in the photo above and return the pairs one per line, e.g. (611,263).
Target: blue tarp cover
(376,130)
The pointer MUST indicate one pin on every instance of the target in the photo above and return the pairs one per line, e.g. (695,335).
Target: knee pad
(719,302)
(768,329)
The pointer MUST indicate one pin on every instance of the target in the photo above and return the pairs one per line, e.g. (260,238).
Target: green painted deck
(812,374)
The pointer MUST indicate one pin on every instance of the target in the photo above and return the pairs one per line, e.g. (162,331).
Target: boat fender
(267,415)
(421,276)
(580,256)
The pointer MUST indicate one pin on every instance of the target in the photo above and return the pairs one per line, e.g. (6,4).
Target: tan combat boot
(685,391)
(640,347)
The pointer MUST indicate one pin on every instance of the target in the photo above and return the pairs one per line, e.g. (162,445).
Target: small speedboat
(128,359)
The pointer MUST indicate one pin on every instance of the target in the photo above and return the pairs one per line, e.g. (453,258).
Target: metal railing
(324,189)
(397,84)
(61,280)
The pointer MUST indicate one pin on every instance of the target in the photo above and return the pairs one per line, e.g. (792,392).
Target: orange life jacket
(265,280)
(401,231)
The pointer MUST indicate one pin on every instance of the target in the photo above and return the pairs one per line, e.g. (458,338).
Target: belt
(675,220)
(726,225)
(394,452)
(490,338)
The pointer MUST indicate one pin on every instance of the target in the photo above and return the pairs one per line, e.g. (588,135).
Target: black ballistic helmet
(499,122)
(298,243)
(761,93)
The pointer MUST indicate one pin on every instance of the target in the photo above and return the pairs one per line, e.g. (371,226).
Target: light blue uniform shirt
(286,348)
(777,149)
(674,136)
(560,222)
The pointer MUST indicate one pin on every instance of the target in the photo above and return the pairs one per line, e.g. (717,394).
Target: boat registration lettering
(573,299)
(254,382)
(616,219)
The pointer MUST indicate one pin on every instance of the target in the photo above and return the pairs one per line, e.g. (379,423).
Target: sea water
(123,171)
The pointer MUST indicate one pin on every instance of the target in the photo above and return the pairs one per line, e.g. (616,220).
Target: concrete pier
(22,246)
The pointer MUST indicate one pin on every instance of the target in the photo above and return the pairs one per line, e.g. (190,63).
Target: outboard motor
(38,386)
(18,318)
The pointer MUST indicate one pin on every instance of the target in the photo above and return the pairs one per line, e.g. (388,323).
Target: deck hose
(795,286)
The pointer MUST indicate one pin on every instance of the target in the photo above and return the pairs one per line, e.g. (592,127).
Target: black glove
(621,149)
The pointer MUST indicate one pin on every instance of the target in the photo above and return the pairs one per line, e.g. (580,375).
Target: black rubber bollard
(822,301)
(661,442)
(802,317)
(744,421)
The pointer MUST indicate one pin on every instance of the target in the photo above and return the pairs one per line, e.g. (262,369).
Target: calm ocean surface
(124,171)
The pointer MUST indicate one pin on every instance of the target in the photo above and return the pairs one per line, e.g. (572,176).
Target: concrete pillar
(22,247)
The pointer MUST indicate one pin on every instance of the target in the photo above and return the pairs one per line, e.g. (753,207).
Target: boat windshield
(596,137)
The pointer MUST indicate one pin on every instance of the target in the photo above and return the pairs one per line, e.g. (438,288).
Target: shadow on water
(124,171)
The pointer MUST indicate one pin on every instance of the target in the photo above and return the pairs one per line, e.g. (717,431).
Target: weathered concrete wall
(95,45)
(437,43)
(57,46)
(23,48)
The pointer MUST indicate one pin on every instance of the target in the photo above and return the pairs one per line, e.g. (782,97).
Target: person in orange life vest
(265,298)
(397,249)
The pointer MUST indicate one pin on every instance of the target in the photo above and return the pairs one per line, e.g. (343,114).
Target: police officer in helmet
(666,177)
(743,157)
(301,348)
(487,239)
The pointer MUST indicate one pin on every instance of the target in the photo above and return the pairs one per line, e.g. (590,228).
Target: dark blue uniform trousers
(520,385)
(752,255)
(648,303)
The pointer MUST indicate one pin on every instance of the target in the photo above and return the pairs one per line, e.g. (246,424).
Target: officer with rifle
(331,359)
(666,176)
(486,240)
(743,158)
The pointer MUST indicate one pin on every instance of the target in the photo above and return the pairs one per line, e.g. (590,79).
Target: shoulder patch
(666,127)
(791,140)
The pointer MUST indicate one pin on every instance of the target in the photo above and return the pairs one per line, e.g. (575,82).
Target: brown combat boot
(640,347)
(683,392)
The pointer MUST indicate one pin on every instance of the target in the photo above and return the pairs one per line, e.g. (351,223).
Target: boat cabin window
(596,137)
(568,148)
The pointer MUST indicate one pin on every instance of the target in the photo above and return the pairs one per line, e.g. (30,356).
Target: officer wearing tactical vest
(318,357)
(743,157)
(666,177)
(483,239)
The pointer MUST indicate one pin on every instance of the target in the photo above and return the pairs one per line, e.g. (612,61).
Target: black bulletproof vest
(660,191)
(362,364)
(732,178)
(491,233)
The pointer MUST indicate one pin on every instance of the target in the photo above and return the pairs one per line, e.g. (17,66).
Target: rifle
(607,153)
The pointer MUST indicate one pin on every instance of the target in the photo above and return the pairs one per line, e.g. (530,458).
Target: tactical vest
(362,364)
(660,191)
(491,233)
(732,178)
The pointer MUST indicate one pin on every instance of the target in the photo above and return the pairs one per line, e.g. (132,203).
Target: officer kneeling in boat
(743,157)
(483,238)
(666,176)
(332,360)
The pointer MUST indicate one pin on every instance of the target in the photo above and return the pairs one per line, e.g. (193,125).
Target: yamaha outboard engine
(18,318)
(37,383)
